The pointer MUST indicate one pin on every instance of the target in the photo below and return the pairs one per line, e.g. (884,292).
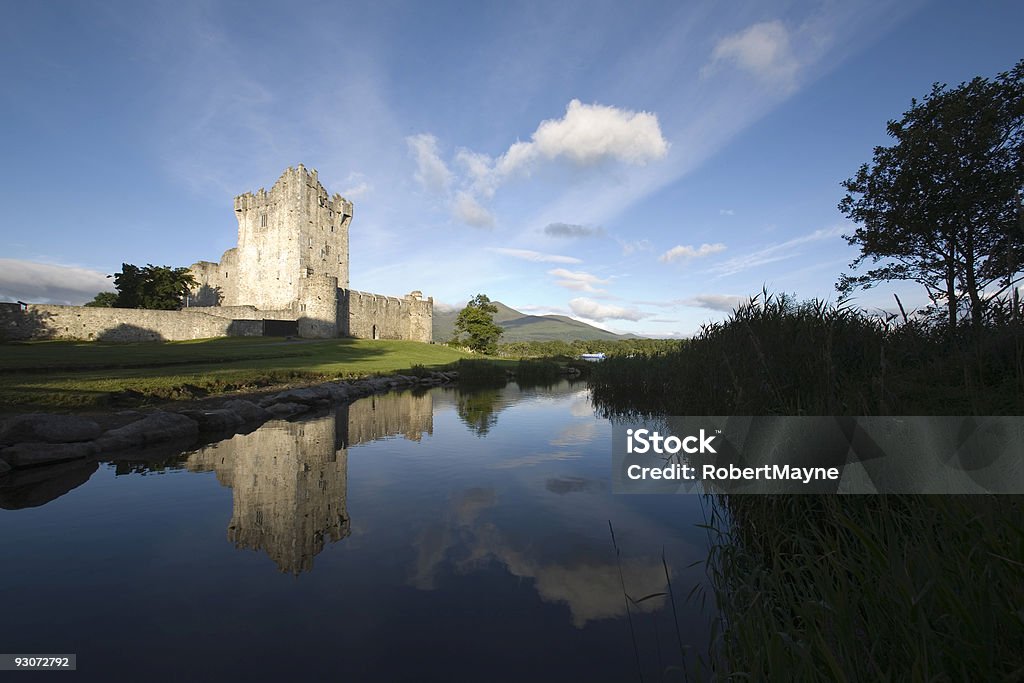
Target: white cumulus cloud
(592,310)
(589,134)
(687,252)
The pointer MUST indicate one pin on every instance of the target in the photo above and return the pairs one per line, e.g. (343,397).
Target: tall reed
(885,588)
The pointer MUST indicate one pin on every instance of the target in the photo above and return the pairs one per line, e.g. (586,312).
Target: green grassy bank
(66,375)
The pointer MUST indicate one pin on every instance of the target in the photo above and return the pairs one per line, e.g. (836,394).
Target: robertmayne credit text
(733,473)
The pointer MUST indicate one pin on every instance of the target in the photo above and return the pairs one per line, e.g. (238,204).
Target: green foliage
(478,408)
(941,206)
(777,356)
(154,287)
(536,373)
(574,349)
(104,300)
(477,373)
(476,321)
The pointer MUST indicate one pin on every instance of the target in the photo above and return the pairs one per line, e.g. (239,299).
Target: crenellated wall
(375,316)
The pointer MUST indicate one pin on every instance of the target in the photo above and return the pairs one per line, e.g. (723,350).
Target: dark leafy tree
(104,300)
(941,206)
(157,287)
(476,321)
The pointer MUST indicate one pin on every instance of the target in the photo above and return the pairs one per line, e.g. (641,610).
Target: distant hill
(521,327)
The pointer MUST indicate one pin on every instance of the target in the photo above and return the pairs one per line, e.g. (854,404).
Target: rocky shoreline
(37,439)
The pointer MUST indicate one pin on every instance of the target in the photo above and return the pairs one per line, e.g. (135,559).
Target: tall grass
(775,356)
(880,588)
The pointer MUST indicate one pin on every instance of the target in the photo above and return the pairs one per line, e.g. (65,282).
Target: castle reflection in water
(290,479)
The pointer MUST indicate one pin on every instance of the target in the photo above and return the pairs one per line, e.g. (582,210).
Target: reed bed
(848,588)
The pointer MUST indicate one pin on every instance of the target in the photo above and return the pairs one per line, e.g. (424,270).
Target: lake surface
(432,535)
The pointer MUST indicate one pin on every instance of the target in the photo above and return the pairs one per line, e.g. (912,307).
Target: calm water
(414,536)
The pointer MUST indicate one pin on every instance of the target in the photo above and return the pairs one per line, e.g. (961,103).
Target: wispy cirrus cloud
(468,210)
(578,280)
(356,186)
(535,256)
(633,246)
(776,252)
(763,50)
(431,171)
(715,302)
(687,252)
(572,230)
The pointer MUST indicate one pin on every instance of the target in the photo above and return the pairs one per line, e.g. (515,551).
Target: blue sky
(639,167)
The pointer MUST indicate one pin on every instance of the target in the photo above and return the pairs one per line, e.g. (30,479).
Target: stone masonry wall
(43,321)
(374,316)
(244,312)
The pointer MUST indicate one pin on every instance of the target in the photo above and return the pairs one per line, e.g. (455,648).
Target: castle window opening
(263,220)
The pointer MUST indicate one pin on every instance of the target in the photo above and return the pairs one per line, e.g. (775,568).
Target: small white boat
(592,357)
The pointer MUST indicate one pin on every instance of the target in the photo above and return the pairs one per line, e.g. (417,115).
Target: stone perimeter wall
(374,316)
(325,314)
(243,312)
(43,321)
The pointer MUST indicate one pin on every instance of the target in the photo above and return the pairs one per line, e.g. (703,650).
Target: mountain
(521,327)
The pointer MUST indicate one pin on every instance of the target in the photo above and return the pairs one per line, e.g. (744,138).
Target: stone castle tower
(292,264)
(294,232)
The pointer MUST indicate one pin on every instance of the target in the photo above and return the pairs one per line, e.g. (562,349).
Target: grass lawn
(54,374)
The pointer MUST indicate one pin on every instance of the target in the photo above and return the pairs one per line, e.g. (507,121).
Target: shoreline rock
(38,439)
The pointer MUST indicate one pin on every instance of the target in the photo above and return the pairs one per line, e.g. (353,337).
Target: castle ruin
(291,263)
(288,276)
